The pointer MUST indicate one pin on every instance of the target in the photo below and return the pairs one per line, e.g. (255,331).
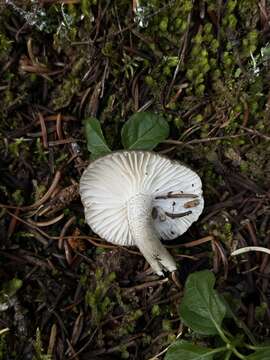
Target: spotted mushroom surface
(110,182)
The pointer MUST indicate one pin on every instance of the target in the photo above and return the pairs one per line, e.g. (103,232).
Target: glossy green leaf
(187,351)
(260,354)
(96,142)
(202,309)
(144,131)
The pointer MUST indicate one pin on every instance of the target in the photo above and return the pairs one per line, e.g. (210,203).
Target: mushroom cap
(109,182)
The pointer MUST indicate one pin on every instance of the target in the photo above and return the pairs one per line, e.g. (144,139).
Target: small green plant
(97,299)
(7,292)
(142,131)
(3,344)
(203,310)
(39,348)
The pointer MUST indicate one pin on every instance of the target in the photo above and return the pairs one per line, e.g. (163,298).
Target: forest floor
(203,65)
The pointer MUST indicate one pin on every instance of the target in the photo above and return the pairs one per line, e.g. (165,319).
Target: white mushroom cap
(171,193)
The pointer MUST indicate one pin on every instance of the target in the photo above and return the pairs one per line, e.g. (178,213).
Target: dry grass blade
(250,248)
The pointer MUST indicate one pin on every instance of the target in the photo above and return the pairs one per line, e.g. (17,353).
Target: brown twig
(145,285)
(194,242)
(48,222)
(59,127)
(64,230)
(43,130)
(255,132)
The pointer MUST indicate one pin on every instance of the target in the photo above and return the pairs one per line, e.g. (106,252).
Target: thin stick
(59,127)
(255,132)
(48,193)
(52,339)
(47,223)
(3,331)
(145,285)
(43,130)
(176,195)
(179,215)
(165,350)
(64,141)
(194,242)
(40,201)
(64,230)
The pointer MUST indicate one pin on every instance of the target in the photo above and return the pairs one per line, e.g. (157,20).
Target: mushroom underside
(137,198)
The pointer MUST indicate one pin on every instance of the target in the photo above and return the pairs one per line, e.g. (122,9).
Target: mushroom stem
(145,236)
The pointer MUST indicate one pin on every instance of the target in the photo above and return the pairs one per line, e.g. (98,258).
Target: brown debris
(60,201)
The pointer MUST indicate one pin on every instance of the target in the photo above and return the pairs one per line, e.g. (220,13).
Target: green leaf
(96,142)
(187,351)
(144,131)
(202,309)
(260,354)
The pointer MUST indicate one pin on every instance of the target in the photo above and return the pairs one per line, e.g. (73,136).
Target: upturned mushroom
(138,197)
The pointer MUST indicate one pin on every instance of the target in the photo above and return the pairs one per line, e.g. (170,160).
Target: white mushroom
(138,197)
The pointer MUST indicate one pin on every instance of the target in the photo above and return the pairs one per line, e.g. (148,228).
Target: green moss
(198,118)
(16,147)
(260,311)
(9,289)
(40,355)
(17,197)
(40,153)
(166,325)
(5,47)
(221,229)
(163,25)
(3,347)
(155,310)
(86,7)
(62,96)
(257,163)
(96,298)
(64,92)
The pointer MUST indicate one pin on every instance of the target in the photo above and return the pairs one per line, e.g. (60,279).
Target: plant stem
(218,350)
(252,347)
(228,355)
(243,326)
(3,331)
(226,340)
(221,333)
(238,354)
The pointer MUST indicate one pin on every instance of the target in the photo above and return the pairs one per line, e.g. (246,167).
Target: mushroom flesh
(138,197)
